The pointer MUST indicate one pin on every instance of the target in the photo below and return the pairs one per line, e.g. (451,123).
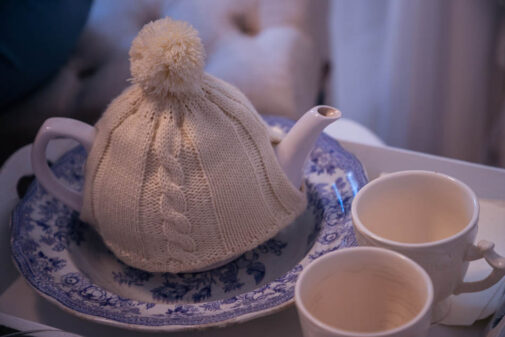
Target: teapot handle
(57,127)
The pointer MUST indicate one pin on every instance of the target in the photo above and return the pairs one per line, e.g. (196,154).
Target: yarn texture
(166,57)
(182,174)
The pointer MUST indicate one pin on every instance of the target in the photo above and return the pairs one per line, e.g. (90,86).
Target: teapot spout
(293,151)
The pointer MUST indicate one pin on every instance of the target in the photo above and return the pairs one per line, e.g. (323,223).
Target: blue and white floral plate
(66,261)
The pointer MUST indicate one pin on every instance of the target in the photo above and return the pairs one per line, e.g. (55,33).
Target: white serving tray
(18,299)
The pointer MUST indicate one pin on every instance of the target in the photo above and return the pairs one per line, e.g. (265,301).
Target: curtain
(423,74)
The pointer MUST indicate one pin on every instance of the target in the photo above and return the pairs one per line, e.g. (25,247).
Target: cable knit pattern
(179,182)
(176,226)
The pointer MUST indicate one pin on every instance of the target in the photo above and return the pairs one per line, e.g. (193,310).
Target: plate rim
(185,327)
(154,328)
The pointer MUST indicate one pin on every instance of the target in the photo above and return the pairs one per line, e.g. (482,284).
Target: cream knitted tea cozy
(182,174)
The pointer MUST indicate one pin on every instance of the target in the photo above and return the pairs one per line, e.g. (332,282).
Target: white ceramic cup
(431,218)
(364,291)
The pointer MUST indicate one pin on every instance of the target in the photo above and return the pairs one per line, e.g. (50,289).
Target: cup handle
(484,249)
(57,127)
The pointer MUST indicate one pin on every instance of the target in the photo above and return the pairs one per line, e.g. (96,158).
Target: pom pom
(167,57)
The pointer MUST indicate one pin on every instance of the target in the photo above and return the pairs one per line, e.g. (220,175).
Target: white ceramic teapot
(292,151)
(181,174)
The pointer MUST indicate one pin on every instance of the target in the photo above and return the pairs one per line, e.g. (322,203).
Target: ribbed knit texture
(181,185)
(182,175)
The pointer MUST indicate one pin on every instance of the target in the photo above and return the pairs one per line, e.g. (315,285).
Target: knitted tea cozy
(182,174)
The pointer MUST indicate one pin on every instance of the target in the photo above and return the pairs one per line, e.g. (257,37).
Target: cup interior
(415,207)
(364,290)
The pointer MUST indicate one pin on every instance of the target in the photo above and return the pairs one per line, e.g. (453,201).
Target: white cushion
(263,47)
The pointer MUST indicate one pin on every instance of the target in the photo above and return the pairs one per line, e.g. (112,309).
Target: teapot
(157,185)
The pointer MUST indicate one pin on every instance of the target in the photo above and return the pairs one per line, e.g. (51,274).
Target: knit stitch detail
(218,86)
(186,181)
(137,260)
(133,100)
(173,205)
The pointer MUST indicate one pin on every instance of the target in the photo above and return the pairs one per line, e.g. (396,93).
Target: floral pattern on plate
(66,261)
